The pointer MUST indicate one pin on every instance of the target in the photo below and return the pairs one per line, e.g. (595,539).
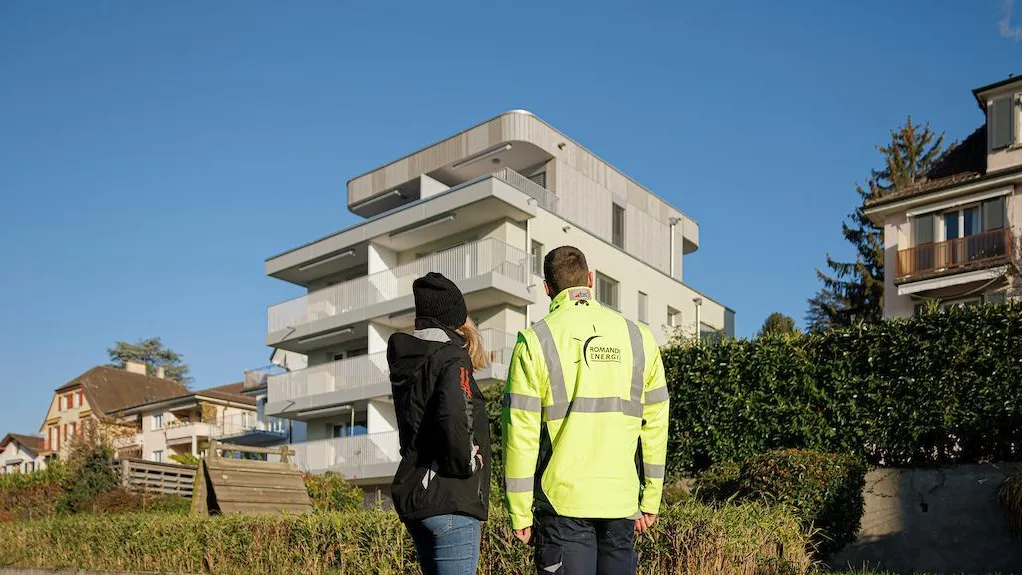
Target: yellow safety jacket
(585,387)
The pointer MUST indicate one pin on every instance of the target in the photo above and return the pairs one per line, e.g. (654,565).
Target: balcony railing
(460,263)
(365,371)
(351,373)
(243,423)
(546,199)
(187,431)
(348,455)
(979,249)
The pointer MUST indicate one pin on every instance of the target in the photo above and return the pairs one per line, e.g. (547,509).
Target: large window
(158,421)
(1001,123)
(957,236)
(606,291)
(643,308)
(158,456)
(537,258)
(618,225)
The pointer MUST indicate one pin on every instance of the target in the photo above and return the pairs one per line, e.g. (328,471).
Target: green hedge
(691,539)
(939,389)
(824,490)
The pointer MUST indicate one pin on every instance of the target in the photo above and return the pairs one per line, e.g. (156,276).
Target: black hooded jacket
(441,414)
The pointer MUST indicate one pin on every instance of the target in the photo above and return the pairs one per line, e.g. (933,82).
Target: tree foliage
(853,291)
(154,354)
(778,324)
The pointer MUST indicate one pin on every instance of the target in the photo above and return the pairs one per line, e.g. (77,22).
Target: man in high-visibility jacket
(584,429)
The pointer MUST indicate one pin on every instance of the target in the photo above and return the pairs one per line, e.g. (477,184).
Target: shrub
(691,539)
(331,493)
(938,389)
(825,491)
(90,474)
(121,500)
(31,495)
(720,482)
(185,459)
(1010,495)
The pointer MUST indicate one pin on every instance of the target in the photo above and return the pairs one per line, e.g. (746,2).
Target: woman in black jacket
(441,490)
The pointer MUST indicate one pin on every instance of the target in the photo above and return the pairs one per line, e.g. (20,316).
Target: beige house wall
(58,416)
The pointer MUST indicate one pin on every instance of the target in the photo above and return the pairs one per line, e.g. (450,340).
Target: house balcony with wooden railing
(969,253)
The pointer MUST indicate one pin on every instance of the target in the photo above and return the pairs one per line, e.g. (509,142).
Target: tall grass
(691,539)
(1010,494)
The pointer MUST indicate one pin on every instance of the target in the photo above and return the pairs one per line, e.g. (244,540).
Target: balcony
(345,381)
(489,272)
(361,458)
(334,383)
(176,433)
(248,429)
(970,253)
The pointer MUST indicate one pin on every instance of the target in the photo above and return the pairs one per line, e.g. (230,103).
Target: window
(537,258)
(158,421)
(643,308)
(606,291)
(539,178)
(158,456)
(74,429)
(1001,123)
(357,425)
(70,401)
(673,317)
(80,397)
(618,225)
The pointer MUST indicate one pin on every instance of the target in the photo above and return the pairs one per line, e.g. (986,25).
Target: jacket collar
(430,329)
(574,296)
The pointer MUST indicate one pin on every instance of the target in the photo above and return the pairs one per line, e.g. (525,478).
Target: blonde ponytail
(474,344)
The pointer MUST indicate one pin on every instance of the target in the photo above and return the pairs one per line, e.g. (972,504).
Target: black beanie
(437,297)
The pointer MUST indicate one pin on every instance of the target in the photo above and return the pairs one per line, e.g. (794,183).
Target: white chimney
(135,367)
(161,373)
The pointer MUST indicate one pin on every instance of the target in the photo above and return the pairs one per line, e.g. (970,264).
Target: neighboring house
(951,237)
(483,207)
(21,454)
(257,428)
(184,423)
(92,397)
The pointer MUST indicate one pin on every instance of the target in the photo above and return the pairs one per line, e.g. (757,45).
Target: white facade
(465,208)
(16,457)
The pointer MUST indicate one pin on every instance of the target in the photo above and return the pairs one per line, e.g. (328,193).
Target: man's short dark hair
(565,267)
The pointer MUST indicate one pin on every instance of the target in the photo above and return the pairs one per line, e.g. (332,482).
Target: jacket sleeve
(521,419)
(655,413)
(455,420)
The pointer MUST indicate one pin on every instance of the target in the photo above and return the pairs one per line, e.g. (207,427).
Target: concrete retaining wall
(944,520)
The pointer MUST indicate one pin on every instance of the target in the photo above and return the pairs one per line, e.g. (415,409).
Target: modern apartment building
(482,207)
(951,236)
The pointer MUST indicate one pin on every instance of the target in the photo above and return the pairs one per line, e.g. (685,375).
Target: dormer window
(1001,123)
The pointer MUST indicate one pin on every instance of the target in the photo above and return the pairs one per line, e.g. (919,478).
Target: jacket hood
(408,353)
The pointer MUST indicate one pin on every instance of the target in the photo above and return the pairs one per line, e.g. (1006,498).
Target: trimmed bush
(691,539)
(330,492)
(31,495)
(825,491)
(935,390)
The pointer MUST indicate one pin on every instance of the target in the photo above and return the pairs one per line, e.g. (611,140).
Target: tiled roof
(108,389)
(230,392)
(31,442)
(964,163)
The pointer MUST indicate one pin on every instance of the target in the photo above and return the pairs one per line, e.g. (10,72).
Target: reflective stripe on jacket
(584,386)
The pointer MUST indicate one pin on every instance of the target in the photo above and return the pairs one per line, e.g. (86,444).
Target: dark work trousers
(566,546)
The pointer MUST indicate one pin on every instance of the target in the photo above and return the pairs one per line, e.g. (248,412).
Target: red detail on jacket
(465,383)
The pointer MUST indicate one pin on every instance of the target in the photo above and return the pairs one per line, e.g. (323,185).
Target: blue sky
(153,154)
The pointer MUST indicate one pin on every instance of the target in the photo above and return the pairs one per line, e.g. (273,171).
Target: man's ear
(549,292)
(591,279)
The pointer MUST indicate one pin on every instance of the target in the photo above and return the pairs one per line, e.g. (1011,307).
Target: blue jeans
(447,544)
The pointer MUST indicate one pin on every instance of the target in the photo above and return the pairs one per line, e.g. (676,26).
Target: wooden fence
(156,478)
